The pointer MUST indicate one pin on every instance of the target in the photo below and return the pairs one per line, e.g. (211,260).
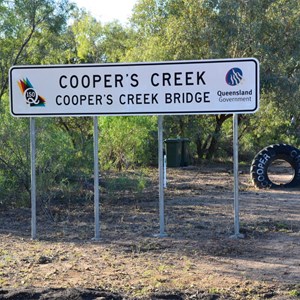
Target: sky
(108,10)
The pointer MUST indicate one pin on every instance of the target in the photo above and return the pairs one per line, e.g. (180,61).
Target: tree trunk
(220,119)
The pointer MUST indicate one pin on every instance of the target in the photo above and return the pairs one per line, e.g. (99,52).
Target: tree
(24,27)
(48,31)
(21,19)
(97,43)
(267,30)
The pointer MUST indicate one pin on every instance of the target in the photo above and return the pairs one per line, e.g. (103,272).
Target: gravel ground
(198,258)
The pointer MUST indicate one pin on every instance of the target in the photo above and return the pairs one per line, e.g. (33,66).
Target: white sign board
(162,88)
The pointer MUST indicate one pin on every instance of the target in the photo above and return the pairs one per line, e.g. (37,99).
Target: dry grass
(196,259)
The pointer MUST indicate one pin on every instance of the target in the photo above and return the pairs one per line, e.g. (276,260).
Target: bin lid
(185,140)
(173,140)
(177,140)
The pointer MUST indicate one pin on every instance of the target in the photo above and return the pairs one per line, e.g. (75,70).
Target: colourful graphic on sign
(29,93)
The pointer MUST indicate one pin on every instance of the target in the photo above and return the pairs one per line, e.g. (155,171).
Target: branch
(24,44)
(14,171)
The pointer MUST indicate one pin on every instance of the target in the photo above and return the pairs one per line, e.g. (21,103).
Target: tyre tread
(263,159)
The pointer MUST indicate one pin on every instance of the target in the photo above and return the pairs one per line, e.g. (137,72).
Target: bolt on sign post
(221,86)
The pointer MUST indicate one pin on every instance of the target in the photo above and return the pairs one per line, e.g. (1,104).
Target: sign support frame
(162,232)
(190,83)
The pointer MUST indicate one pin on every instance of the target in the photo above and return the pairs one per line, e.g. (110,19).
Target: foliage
(55,158)
(14,160)
(97,43)
(267,30)
(127,141)
(57,32)
(21,22)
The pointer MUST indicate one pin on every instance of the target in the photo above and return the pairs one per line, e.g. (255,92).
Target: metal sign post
(96,182)
(161,178)
(33,178)
(236,178)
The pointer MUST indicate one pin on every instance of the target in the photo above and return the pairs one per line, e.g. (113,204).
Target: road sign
(161,88)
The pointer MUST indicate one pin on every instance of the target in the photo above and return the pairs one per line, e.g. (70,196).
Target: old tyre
(263,160)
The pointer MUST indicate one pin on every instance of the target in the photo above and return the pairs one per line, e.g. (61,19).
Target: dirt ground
(198,258)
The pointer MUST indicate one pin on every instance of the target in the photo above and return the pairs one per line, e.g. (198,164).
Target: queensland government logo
(30,95)
(234,76)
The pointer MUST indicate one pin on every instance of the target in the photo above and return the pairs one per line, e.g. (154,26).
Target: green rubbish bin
(174,152)
(177,152)
(185,152)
